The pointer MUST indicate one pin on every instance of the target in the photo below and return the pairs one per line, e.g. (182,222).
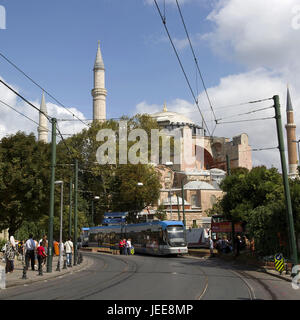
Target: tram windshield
(176,236)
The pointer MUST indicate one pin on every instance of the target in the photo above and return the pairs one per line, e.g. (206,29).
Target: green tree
(24,182)
(256,198)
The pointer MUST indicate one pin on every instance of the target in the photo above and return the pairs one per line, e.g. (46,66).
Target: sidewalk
(15,278)
(204,253)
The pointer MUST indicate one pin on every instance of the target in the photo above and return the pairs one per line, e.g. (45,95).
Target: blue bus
(156,237)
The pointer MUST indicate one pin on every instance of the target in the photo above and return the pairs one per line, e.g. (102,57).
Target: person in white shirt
(211,246)
(128,246)
(69,251)
(30,250)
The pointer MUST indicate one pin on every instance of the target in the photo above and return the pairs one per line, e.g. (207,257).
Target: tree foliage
(25,179)
(257,199)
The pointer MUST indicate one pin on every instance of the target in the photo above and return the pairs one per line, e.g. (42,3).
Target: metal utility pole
(61,246)
(182,192)
(178,208)
(232,220)
(75,212)
(70,207)
(51,213)
(292,237)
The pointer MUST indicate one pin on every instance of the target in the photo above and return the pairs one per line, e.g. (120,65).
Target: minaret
(99,92)
(291,136)
(43,123)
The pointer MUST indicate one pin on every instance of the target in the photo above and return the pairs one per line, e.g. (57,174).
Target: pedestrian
(29,252)
(56,247)
(211,246)
(224,245)
(44,244)
(219,245)
(128,246)
(35,254)
(238,245)
(124,247)
(121,244)
(10,251)
(41,256)
(69,251)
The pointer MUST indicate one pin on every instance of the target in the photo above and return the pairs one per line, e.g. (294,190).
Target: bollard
(24,273)
(65,264)
(2,278)
(41,270)
(58,266)
(81,257)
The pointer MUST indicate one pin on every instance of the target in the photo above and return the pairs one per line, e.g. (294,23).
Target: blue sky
(55,43)
(246,50)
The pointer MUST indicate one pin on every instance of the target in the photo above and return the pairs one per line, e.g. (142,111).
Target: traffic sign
(279,263)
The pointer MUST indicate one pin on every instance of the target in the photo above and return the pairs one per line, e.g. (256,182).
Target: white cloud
(11,121)
(262,36)
(257,33)
(234,89)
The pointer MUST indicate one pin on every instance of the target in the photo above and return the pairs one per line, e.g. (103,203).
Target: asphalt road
(142,277)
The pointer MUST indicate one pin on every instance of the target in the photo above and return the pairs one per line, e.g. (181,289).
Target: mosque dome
(171,117)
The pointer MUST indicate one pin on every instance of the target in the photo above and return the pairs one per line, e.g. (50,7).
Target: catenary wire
(196,61)
(50,95)
(182,68)
(245,113)
(22,114)
(247,120)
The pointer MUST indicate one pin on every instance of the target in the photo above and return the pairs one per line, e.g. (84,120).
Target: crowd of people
(223,245)
(34,253)
(125,247)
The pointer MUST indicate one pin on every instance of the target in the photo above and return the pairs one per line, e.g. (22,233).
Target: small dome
(198,185)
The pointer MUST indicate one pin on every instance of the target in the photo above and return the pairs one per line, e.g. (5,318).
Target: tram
(156,237)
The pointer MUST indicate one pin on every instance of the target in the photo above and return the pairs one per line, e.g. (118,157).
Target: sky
(246,50)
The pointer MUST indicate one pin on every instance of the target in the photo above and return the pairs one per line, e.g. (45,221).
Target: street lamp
(61,222)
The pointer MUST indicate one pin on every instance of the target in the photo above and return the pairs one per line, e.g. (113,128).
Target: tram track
(115,277)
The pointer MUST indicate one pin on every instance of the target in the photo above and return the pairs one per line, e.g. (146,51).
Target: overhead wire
(181,65)
(196,60)
(39,86)
(245,113)
(22,114)
(246,120)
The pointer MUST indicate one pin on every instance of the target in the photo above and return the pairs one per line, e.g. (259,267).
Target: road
(142,277)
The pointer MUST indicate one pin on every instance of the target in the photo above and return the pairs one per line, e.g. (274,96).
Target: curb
(47,276)
(275,275)
(260,269)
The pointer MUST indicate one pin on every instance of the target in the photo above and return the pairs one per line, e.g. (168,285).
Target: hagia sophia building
(194,184)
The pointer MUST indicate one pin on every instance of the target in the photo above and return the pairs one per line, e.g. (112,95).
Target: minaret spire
(291,136)
(43,123)
(99,92)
